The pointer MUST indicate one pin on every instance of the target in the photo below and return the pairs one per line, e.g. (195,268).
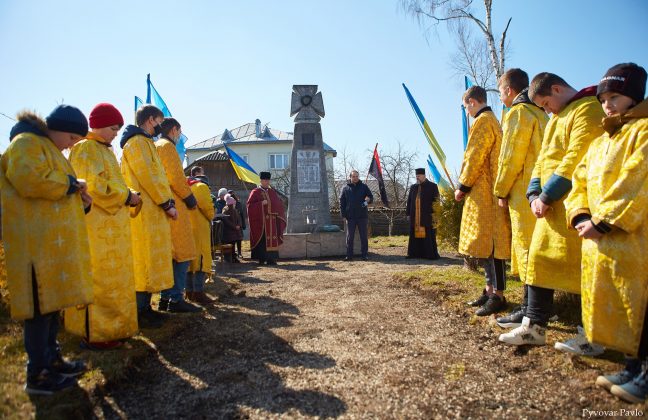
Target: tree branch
(502,45)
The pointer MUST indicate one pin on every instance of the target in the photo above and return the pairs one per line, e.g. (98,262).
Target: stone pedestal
(308,203)
(316,245)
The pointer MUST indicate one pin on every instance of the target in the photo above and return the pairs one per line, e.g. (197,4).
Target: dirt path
(328,338)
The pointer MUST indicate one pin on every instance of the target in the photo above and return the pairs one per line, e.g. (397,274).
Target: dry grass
(453,286)
(106,369)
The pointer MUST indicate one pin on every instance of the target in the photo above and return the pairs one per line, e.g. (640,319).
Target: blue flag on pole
(464,126)
(465,122)
(153,97)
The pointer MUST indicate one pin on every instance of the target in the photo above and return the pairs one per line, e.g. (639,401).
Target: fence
(379,221)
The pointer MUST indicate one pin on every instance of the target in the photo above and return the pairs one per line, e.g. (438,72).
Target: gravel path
(336,339)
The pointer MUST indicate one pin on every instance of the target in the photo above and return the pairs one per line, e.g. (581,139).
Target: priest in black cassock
(423,209)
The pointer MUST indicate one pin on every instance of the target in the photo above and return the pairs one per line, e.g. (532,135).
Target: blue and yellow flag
(436,175)
(434,144)
(244,172)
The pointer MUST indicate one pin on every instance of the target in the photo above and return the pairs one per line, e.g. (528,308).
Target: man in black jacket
(353,204)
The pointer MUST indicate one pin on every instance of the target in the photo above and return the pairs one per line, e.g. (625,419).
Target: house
(263,148)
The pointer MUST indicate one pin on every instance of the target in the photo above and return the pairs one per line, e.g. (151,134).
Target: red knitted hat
(105,115)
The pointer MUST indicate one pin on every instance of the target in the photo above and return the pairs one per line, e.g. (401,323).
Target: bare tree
(398,168)
(345,162)
(398,173)
(483,59)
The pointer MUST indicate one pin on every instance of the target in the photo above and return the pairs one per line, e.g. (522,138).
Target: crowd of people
(565,198)
(94,239)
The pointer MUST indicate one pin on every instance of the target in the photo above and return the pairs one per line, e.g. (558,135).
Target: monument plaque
(308,171)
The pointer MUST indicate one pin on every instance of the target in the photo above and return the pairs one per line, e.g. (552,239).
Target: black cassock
(422,238)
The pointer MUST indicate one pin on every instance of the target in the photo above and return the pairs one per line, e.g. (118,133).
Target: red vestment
(266,219)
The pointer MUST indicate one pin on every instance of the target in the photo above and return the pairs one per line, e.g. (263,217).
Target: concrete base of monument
(317,244)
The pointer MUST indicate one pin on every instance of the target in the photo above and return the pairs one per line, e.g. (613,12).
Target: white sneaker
(579,345)
(525,334)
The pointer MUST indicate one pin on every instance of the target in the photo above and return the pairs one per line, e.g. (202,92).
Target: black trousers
(540,305)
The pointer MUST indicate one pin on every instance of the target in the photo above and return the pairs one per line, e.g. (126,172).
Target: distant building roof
(214,156)
(250,133)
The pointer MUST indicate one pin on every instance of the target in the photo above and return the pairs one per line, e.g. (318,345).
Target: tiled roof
(247,133)
(214,156)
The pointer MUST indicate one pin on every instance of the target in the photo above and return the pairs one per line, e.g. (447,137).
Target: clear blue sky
(219,64)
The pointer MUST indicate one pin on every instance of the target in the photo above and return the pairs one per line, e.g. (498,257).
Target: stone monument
(308,204)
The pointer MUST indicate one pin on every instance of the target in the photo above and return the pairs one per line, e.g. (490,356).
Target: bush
(450,220)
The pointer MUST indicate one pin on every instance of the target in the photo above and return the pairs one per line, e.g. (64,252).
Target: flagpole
(148,88)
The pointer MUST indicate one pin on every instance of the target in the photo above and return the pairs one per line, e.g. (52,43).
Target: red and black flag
(375,170)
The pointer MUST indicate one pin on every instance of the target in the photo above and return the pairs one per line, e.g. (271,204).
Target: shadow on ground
(222,362)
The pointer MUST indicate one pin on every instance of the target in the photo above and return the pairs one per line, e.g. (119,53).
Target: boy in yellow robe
(201,224)
(113,314)
(45,239)
(523,126)
(608,206)
(485,227)
(150,229)
(555,251)
(184,247)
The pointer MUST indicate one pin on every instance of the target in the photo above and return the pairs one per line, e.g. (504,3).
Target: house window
(278,161)
(245,158)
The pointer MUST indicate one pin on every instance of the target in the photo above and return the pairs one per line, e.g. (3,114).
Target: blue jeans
(174,294)
(350,236)
(143,300)
(196,281)
(40,341)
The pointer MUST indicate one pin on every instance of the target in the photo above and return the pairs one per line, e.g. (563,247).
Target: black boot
(493,305)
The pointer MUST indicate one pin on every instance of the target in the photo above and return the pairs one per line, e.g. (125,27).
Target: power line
(7,116)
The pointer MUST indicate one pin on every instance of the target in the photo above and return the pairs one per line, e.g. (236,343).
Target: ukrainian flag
(242,169)
(434,144)
(436,175)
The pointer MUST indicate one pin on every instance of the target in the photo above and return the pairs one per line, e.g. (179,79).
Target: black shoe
(479,301)
(271,262)
(47,383)
(348,259)
(513,319)
(365,258)
(261,262)
(493,305)
(148,318)
(67,369)
(163,305)
(182,306)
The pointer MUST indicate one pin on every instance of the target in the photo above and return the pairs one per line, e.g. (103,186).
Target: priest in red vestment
(267,218)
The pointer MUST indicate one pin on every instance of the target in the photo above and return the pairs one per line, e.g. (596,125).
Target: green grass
(380,242)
